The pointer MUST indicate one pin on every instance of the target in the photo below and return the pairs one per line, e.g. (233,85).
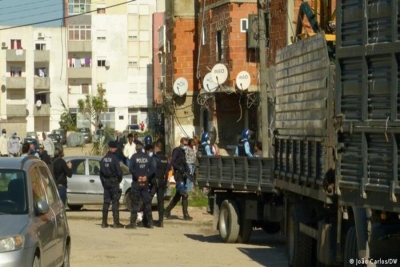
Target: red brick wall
(180,62)
(278,28)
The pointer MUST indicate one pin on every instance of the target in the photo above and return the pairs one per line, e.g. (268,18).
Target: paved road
(179,243)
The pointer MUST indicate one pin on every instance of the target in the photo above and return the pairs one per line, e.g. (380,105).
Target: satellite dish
(243,80)
(38,104)
(219,73)
(208,84)
(181,86)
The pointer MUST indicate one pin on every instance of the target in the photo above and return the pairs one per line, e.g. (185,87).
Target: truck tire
(74,207)
(245,230)
(299,245)
(271,227)
(228,222)
(350,248)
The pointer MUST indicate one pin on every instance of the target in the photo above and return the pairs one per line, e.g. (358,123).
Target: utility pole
(263,80)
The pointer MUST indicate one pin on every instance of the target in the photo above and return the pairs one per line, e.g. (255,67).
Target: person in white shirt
(48,145)
(3,144)
(129,149)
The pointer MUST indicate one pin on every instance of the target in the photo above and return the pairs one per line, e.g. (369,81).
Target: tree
(92,106)
(67,121)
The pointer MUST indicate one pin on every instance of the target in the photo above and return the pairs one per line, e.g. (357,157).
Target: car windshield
(57,132)
(133,127)
(13,192)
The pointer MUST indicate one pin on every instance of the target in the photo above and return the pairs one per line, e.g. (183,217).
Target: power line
(66,17)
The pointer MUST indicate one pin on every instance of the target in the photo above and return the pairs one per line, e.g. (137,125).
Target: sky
(20,12)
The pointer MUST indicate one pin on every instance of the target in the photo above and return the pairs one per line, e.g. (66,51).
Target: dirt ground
(179,243)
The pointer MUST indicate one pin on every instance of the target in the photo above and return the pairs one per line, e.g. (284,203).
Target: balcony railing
(16,82)
(42,55)
(43,110)
(41,83)
(16,110)
(79,46)
(16,55)
(80,73)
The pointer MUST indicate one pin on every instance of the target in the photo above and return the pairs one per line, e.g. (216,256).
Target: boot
(132,224)
(104,223)
(117,224)
(150,223)
(160,223)
(167,211)
(186,215)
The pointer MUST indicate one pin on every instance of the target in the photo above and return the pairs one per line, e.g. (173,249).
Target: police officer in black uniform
(181,171)
(111,176)
(141,170)
(159,181)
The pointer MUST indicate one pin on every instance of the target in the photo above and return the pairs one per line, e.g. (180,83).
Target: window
(94,167)
(16,44)
(101,10)
(78,166)
(101,35)
(41,72)
(78,6)
(43,97)
(132,35)
(204,36)
(85,89)
(243,25)
(101,63)
(40,46)
(16,71)
(220,45)
(79,32)
(132,64)
(51,195)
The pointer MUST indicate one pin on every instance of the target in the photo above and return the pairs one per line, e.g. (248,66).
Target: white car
(85,188)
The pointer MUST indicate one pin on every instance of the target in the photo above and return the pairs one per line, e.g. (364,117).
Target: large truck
(334,181)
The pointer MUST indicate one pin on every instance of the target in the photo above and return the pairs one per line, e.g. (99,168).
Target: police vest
(241,150)
(162,164)
(202,149)
(180,161)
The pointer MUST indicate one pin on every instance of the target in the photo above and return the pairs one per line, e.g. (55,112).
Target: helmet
(245,134)
(148,140)
(204,137)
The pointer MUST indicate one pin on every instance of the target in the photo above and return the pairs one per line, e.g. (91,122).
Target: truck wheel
(350,248)
(299,245)
(75,207)
(271,227)
(228,221)
(245,230)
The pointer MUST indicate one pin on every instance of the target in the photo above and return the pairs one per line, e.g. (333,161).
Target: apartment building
(33,77)
(110,44)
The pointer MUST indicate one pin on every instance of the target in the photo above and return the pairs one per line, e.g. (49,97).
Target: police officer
(243,147)
(148,140)
(159,181)
(205,148)
(141,169)
(181,171)
(111,176)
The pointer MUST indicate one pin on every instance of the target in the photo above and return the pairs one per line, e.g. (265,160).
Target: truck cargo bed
(236,173)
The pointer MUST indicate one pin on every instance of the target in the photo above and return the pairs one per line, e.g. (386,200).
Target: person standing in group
(3,144)
(13,145)
(181,171)
(258,150)
(129,149)
(141,170)
(191,161)
(32,150)
(61,170)
(48,145)
(43,155)
(243,147)
(25,150)
(136,139)
(111,177)
(205,147)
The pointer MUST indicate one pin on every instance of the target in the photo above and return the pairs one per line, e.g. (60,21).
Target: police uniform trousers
(158,187)
(111,195)
(141,192)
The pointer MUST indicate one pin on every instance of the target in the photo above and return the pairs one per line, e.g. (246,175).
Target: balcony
(42,55)
(16,82)
(79,46)
(15,55)
(44,110)
(80,73)
(41,83)
(16,110)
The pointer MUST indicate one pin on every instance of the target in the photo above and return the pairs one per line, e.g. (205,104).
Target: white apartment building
(33,78)
(112,47)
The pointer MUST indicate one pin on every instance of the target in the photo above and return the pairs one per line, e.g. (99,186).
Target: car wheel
(66,256)
(75,207)
(36,261)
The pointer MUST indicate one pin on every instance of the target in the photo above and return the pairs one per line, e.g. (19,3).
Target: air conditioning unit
(252,31)
(40,36)
(3,45)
